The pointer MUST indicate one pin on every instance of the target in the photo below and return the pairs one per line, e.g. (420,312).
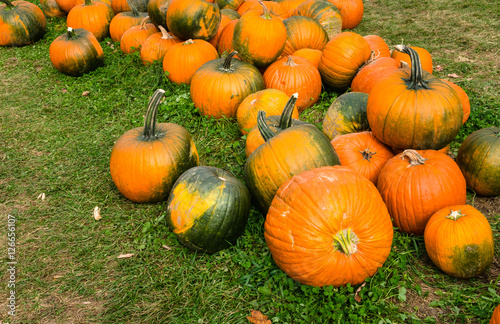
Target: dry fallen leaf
(258,318)
(166,247)
(86,303)
(123,256)
(97,213)
(41,196)
(57,276)
(85,93)
(357,297)
(438,68)
(453,75)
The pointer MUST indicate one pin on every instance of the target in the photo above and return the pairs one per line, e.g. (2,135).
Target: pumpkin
(157,12)
(146,161)
(223,23)
(76,52)
(463,97)
(424,56)
(351,11)
(346,114)
(229,4)
(258,5)
(21,23)
(378,45)
(208,209)
(459,241)
(271,101)
(183,59)
(411,108)
(225,41)
(67,5)
(156,45)
(259,38)
(324,12)
(416,184)
(312,55)
(292,74)
(303,32)
(231,13)
(234,80)
(128,5)
(193,19)
(495,317)
(363,153)
(133,38)
(479,159)
(372,72)
(94,16)
(341,58)
(292,151)
(51,9)
(122,21)
(328,226)
(286,8)
(277,124)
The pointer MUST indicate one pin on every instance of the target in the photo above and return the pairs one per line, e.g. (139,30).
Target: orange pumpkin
(351,11)
(183,59)
(416,184)
(328,226)
(21,23)
(373,72)
(312,55)
(123,21)
(133,38)
(271,101)
(423,54)
(146,161)
(459,241)
(67,5)
(234,80)
(378,45)
(495,317)
(463,97)
(303,32)
(51,9)
(363,153)
(324,12)
(194,19)
(157,12)
(225,41)
(156,45)
(293,74)
(94,16)
(341,58)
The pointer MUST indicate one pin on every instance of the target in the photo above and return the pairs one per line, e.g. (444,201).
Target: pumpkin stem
(367,154)
(8,3)
(290,62)
(135,12)
(346,241)
(164,33)
(264,129)
(143,23)
(266,14)
(416,80)
(71,33)
(149,132)
(286,115)
(226,66)
(88,2)
(455,215)
(188,42)
(414,157)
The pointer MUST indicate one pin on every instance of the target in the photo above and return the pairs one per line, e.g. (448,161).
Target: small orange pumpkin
(133,38)
(94,16)
(122,21)
(378,45)
(156,45)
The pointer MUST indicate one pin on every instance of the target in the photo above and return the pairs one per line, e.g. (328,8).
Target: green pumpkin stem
(455,215)
(226,66)
(71,33)
(346,242)
(149,132)
(414,157)
(8,3)
(88,2)
(135,12)
(367,154)
(266,14)
(264,129)
(286,115)
(416,80)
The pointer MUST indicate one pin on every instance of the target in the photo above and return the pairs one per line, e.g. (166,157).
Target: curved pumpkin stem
(226,66)
(135,12)
(415,81)
(266,14)
(8,3)
(149,132)
(264,129)
(143,23)
(455,215)
(346,242)
(414,157)
(164,33)
(286,115)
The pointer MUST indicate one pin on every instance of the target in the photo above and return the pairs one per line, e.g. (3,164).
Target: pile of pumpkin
(331,197)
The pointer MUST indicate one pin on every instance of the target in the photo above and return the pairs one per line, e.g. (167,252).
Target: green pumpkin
(346,115)
(194,19)
(208,209)
(21,23)
(479,160)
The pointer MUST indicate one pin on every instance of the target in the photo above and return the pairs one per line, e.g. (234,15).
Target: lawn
(57,134)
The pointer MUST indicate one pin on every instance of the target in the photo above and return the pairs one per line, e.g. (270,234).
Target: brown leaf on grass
(41,196)
(438,68)
(97,213)
(166,247)
(124,256)
(258,318)
(85,93)
(453,75)
(357,297)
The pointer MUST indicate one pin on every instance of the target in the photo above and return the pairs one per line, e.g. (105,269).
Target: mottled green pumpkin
(21,23)
(347,114)
(194,19)
(479,161)
(208,209)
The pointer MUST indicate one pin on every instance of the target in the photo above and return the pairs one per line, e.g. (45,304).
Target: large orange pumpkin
(459,241)
(328,226)
(303,32)
(341,58)
(411,108)
(146,161)
(351,11)
(21,23)
(416,184)
(94,16)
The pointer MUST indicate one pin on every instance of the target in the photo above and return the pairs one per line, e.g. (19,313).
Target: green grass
(57,141)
